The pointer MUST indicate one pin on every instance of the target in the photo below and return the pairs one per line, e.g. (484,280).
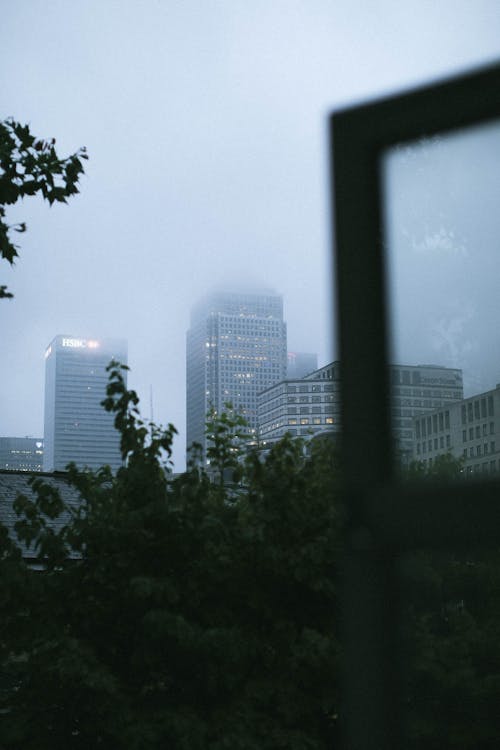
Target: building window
(441,441)
(491,411)
(448,441)
(477,414)
(304,420)
(483,408)
(447,420)
(464,414)
(492,446)
(470,415)
(329,420)
(478,450)
(441,421)
(492,428)
(478,431)
(485,448)
(464,436)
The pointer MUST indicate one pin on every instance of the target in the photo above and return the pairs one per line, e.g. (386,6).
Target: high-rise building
(77,428)
(236,347)
(21,453)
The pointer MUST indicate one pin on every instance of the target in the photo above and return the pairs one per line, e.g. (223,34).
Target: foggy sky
(205,124)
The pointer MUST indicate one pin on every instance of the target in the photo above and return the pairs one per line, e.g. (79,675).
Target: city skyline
(206,130)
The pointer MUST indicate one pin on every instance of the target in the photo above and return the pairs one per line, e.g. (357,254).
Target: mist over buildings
(208,168)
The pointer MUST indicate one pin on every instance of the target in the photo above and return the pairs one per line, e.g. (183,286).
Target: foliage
(30,166)
(226,438)
(169,613)
(453,644)
(452,637)
(444,467)
(174,611)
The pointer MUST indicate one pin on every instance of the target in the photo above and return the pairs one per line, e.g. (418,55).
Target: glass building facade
(236,347)
(77,428)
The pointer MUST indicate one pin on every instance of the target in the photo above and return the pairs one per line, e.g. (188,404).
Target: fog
(442,233)
(205,125)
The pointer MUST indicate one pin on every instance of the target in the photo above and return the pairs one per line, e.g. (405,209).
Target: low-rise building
(302,406)
(312,404)
(21,453)
(469,430)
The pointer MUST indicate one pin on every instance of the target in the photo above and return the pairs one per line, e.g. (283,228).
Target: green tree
(226,435)
(169,616)
(30,166)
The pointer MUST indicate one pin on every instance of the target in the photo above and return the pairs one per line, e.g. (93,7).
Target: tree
(452,639)
(29,165)
(170,613)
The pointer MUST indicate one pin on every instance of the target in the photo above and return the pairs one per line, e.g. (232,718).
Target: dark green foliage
(452,640)
(192,618)
(453,644)
(30,166)
(190,613)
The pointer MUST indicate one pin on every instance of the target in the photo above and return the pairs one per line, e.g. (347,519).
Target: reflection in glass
(442,233)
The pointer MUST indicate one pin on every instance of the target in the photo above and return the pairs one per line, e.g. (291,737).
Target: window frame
(387,517)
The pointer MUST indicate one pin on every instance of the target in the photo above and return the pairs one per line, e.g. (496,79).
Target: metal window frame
(385,517)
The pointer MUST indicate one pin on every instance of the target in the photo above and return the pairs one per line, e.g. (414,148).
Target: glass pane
(450,636)
(442,229)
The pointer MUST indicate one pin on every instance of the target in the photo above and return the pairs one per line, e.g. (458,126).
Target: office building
(236,347)
(313,404)
(467,430)
(77,428)
(21,453)
(301,406)
(416,390)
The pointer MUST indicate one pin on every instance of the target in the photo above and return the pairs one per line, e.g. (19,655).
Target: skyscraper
(77,428)
(236,347)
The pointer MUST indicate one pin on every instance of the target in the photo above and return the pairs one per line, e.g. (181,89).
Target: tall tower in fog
(236,347)
(77,428)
